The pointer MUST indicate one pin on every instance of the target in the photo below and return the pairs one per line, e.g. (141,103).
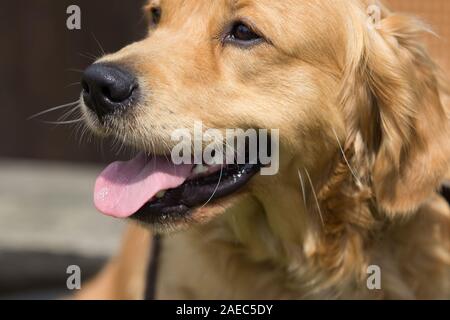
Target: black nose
(108,88)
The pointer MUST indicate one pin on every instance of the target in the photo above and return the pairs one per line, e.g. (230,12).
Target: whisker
(167,147)
(63,122)
(302,184)
(122,141)
(69,113)
(75,70)
(76,131)
(85,133)
(98,43)
(345,159)
(90,57)
(215,190)
(53,109)
(315,196)
(73,84)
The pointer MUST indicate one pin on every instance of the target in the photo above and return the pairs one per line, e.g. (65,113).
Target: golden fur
(363,144)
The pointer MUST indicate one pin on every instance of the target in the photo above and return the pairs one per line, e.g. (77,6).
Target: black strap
(152,272)
(445,192)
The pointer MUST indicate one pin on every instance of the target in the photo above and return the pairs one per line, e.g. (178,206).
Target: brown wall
(437,14)
(36,51)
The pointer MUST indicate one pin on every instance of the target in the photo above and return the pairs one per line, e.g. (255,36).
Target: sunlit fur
(363,131)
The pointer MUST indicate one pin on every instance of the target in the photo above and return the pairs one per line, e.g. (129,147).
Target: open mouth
(153,190)
(198,191)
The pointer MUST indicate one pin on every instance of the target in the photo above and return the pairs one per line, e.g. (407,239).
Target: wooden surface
(49,207)
(48,222)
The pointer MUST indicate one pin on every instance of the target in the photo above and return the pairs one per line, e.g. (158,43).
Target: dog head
(339,88)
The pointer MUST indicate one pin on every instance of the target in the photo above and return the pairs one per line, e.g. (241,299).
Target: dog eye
(155,15)
(242,34)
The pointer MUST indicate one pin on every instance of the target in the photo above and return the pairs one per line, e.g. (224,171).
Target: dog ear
(400,114)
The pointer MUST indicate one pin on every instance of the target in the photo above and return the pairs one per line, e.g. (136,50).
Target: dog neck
(326,238)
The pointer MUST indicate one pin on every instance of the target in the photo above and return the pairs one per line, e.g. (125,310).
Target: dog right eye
(155,15)
(242,34)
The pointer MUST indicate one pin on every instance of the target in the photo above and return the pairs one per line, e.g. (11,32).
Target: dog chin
(195,217)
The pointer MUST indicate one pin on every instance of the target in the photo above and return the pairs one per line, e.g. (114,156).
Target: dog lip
(198,191)
(178,203)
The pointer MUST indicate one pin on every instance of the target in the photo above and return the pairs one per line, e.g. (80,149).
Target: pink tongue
(125,187)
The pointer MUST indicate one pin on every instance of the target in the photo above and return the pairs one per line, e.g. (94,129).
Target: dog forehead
(306,28)
(227,4)
(183,3)
(282,10)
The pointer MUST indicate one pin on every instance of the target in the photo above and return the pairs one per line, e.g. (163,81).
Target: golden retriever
(363,150)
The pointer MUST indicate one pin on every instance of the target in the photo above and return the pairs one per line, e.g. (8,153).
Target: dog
(363,145)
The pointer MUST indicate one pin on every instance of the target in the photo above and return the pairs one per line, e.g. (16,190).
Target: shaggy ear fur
(399,112)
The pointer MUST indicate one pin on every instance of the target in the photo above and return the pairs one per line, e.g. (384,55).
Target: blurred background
(47,220)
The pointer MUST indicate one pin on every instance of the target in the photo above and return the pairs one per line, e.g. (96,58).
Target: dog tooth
(200,168)
(160,194)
